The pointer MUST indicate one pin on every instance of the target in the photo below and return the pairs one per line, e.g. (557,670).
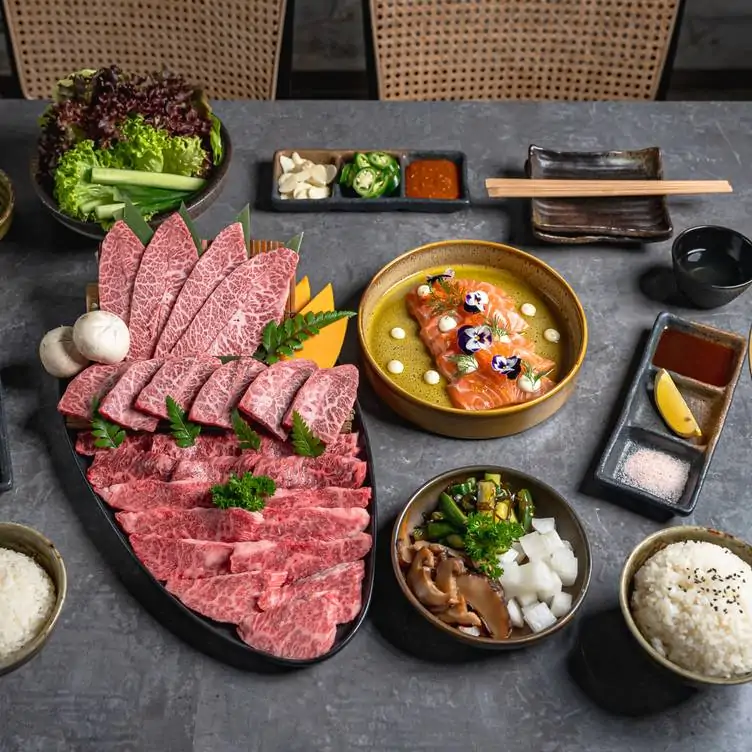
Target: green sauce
(391,311)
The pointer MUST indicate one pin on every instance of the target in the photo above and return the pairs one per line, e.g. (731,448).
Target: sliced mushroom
(487,602)
(446,575)
(460,616)
(406,550)
(421,583)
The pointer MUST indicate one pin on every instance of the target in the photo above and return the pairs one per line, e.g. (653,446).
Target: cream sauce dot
(397,333)
(528,309)
(431,377)
(423,291)
(447,323)
(551,335)
(395,366)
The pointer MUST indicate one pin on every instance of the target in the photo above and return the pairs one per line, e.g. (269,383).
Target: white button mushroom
(102,336)
(395,366)
(423,291)
(551,335)
(431,377)
(528,309)
(447,323)
(397,333)
(59,355)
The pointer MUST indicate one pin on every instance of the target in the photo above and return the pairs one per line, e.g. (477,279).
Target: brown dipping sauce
(432,178)
(694,357)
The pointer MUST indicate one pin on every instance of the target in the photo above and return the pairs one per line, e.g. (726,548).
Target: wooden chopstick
(545,188)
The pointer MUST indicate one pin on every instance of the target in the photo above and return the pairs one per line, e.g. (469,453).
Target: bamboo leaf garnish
(106,435)
(294,243)
(183,431)
(288,337)
(245,222)
(225,359)
(465,363)
(134,219)
(183,212)
(304,442)
(247,437)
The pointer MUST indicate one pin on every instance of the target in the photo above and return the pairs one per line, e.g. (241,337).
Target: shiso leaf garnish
(183,431)
(304,442)
(247,437)
(106,435)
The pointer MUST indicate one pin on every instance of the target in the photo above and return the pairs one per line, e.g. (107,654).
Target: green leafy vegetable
(215,139)
(247,437)
(135,220)
(245,222)
(247,492)
(486,539)
(224,359)
(294,243)
(183,212)
(288,336)
(183,431)
(106,435)
(304,442)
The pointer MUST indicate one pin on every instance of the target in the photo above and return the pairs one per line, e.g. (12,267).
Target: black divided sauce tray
(220,641)
(6,470)
(643,459)
(344,199)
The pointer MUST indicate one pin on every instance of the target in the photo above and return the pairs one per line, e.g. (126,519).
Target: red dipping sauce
(694,357)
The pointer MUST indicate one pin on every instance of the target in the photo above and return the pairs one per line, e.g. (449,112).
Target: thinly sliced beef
(167,558)
(126,464)
(85,443)
(344,580)
(269,397)
(226,253)
(118,404)
(227,597)
(254,283)
(299,558)
(232,525)
(90,385)
(326,401)
(166,263)
(205,446)
(332,496)
(221,393)
(216,470)
(300,628)
(181,379)
(119,258)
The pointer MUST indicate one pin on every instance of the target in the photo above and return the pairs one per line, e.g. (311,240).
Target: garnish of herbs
(446,295)
(183,431)
(247,437)
(106,435)
(304,442)
(246,492)
(486,539)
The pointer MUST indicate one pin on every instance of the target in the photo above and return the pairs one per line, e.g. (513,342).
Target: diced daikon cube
(535,547)
(544,524)
(538,617)
(564,563)
(567,544)
(512,556)
(515,613)
(517,580)
(527,599)
(553,542)
(549,583)
(561,605)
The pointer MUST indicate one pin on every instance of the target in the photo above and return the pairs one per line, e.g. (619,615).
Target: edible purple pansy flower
(476,301)
(509,367)
(447,274)
(474,338)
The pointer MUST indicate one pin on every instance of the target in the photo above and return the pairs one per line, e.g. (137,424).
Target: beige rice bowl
(692,601)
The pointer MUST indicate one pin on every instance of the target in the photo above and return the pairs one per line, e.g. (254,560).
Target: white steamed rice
(27,597)
(693,602)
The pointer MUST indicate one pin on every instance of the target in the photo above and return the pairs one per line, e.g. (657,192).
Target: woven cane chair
(230,47)
(521,49)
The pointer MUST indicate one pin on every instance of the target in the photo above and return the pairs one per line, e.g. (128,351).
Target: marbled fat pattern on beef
(181,379)
(204,446)
(85,443)
(166,263)
(226,597)
(118,406)
(269,397)
(89,385)
(119,258)
(221,393)
(226,253)
(126,464)
(252,280)
(326,401)
(167,558)
(300,628)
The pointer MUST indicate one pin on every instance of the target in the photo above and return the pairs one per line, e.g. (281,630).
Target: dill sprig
(465,363)
(450,300)
(496,324)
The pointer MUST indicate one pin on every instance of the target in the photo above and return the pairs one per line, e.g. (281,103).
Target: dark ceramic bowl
(548,503)
(195,206)
(712,265)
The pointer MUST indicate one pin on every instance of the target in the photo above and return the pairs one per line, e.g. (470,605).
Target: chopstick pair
(548,188)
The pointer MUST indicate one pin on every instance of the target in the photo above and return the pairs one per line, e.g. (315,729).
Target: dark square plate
(636,219)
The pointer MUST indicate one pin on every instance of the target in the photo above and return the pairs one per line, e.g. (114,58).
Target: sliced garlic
(423,291)
(431,377)
(286,163)
(318,175)
(303,175)
(297,159)
(397,333)
(331,173)
(288,183)
(551,335)
(447,323)
(395,366)
(317,191)
(301,191)
(528,309)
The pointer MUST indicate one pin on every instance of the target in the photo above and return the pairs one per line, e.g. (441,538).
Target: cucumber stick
(166,181)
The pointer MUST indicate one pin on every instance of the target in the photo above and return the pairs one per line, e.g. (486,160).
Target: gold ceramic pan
(478,424)
(548,503)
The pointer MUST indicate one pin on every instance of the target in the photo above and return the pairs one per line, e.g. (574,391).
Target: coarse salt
(653,471)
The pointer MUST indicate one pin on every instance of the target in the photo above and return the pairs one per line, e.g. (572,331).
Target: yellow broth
(391,311)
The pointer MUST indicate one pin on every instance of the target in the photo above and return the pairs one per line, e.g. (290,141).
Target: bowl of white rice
(32,591)
(686,596)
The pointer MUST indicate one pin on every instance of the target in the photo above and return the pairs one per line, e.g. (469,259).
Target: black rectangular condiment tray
(6,470)
(344,199)
(640,426)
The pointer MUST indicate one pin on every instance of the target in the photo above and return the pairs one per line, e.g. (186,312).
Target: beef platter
(219,451)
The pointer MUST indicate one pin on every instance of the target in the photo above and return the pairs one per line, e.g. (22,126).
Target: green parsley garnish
(106,435)
(304,442)
(247,437)
(247,492)
(486,540)
(183,431)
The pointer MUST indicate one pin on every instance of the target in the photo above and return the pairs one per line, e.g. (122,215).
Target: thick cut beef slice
(226,253)
(314,523)
(300,558)
(166,263)
(313,472)
(118,404)
(221,393)
(150,493)
(269,397)
(247,298)
(119,258)
(205,446)
(215,470)
(332,496)
(181,379)
(91,384)
(300,628)
(226,597)
(168,558)
(326,401)
(345,445)
(344,580)
(86,447)
(127,463)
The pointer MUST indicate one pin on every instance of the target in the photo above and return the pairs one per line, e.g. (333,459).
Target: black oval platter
(220,641)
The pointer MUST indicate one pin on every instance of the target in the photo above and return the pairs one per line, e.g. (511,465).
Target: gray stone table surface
(113,678)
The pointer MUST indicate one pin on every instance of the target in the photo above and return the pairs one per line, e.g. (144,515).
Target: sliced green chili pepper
(451,512)
(361,161)
(437,530)
(382,160)
(525,508)
(366,182)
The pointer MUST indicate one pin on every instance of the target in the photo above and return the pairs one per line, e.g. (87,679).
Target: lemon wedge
(672,407)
